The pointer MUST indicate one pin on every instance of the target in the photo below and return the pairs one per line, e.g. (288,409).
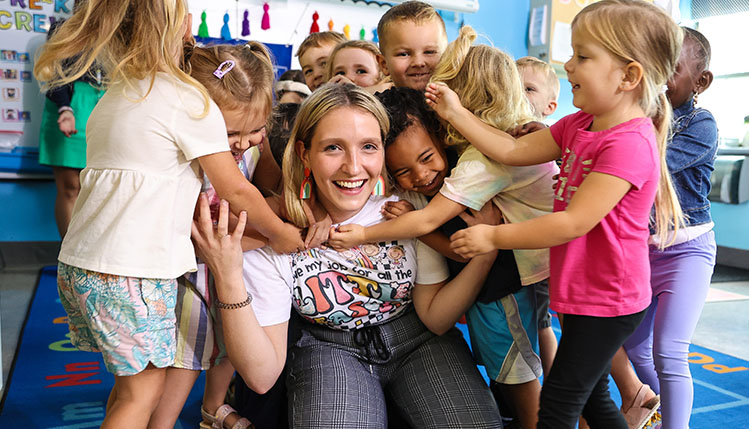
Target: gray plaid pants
(339,379)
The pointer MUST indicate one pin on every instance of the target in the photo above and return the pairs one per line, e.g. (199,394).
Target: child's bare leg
(135,398)
(525,401)
(547,344)
(177,388)
(626,380)
(217,382)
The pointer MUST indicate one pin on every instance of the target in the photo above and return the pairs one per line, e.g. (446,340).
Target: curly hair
(407,107)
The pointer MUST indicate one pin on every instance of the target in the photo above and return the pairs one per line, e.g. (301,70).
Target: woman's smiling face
(416,161)
(345,156)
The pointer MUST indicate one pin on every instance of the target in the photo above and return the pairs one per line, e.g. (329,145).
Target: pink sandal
(638,416)
(217,421)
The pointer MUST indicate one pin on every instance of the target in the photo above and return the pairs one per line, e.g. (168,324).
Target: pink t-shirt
(606,272)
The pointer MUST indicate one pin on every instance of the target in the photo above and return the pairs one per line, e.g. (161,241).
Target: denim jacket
(690,156)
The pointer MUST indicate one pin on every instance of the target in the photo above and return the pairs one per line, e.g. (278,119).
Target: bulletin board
(23,29)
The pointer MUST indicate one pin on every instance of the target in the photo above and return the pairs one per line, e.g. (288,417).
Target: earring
(379,187)
(694,98)
(305,191)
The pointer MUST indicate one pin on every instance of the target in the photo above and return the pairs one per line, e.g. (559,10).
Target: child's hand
(66,122)
(488,215)
(473,241)
(318,231)
(528,128)
(289,240)
(443,100)
(393,209)
(339,78)
(215,246)
(346,236)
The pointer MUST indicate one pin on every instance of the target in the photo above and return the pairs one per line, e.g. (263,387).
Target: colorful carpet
(53,385)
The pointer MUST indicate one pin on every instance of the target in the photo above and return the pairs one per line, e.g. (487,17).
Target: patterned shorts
(129,320)
(200,337)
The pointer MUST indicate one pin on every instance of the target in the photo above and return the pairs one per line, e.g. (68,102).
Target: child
(681,272)
(129,240)
(412,39)
(542,89)
(355,61)
(313,56)
(613,154)
(541,85)
(520,193)
(200,345)
(291,87)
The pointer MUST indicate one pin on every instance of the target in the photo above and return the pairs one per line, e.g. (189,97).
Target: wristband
(235,305)
(64,109)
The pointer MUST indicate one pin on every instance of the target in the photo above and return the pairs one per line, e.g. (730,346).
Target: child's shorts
(504,337)
(200,336)
(129,320)
(542,305)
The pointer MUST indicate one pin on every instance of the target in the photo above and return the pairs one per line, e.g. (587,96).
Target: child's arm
(267,173)
(440,305)
(435,239)
(531,149)
(257,352)
(594,199)
(410,225)
(232,186)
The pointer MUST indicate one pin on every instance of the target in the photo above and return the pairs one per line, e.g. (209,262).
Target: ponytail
(668,216)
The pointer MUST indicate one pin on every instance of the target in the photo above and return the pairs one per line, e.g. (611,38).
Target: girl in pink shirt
(613,154)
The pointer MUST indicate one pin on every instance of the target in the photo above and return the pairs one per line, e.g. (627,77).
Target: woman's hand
(346,236)
(443,100)
(490,214)
(473,241)
(393,209)
(219,249)
(66,122)
(527,128)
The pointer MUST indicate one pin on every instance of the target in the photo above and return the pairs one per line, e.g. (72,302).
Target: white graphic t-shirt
(362,286)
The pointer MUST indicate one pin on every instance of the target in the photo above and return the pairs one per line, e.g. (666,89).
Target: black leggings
(578,382)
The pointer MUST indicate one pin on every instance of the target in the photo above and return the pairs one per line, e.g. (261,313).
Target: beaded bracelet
(235,305)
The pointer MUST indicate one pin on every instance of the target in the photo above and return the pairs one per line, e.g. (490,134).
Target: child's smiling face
(416,161)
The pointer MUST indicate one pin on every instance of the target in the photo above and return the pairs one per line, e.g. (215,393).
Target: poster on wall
(23,29)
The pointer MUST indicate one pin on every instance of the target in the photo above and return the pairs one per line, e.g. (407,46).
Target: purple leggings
(680,280)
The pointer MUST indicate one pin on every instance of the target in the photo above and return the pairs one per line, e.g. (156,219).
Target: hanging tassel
(265,24)
(314,28)
(330,25)
(225,33)
(362,33)
(375,39)
(305,191)
(379,187)
(347,31)
(246,23)
(203,28)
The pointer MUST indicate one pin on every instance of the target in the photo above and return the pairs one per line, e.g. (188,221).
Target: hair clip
(224,68)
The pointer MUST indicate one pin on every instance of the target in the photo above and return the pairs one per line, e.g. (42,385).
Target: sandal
(637,416)
(217,421)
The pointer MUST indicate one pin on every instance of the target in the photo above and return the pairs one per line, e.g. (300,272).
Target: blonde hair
(130,39)
(312,110)
(487,82)
(414,11)
(364,45)
(249,85)
(316,40)
(544,68)
(633,30)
